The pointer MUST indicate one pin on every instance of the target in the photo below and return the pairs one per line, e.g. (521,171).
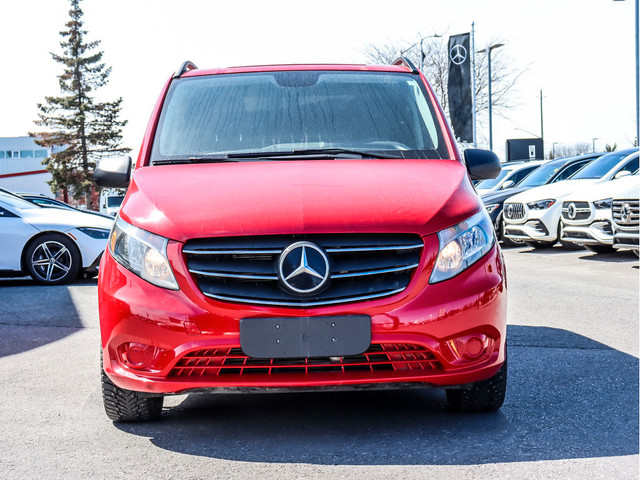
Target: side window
(6,213)
(570,170)
(631,166)
(521,174)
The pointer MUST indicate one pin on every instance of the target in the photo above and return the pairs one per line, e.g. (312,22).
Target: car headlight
(143,253)
(462,245)
(604,204)
(97,233)
(541,204)
(491,208)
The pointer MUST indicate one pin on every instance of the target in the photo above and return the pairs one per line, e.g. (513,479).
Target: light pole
(488,50)
(402,52)
(637,14)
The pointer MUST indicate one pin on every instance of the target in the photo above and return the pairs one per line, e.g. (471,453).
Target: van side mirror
(113,172)
(482,164)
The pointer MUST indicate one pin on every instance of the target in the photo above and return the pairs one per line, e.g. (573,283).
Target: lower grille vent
(233,361)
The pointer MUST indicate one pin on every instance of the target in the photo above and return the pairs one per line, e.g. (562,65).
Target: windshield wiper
(311,152)
(198,159)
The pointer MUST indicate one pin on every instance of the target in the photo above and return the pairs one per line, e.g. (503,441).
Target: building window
(26,153)
(2,154)
(41,153)
(15,154)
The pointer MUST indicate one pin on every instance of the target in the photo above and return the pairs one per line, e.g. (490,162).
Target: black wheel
(485,396)
(52,259)
(600,248)
(127,406)
(540,245)
(507,242)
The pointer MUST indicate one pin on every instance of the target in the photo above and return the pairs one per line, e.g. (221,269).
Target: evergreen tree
(82,128)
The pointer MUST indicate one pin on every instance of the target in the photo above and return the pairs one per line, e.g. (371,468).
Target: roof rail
(185,67)
(404,61)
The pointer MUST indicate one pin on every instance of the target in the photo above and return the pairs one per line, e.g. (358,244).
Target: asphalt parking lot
(571,409)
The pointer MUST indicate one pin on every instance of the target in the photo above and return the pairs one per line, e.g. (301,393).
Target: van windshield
(287,111)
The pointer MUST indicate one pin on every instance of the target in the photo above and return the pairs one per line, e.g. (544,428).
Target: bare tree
(504,73)
(564,150)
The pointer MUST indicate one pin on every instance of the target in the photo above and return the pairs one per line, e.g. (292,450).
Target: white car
(510,176)
(534,216)
(586,214)
(625,210)
(50,244)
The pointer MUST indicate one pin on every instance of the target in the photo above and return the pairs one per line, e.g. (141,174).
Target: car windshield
(16,202)
(287,111)
(541,175)
(599,167)
(492,182)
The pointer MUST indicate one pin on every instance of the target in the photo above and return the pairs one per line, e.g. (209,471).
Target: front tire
(485,396)
(52,259)
(127,406)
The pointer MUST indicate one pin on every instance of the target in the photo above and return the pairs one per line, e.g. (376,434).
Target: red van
(300,227)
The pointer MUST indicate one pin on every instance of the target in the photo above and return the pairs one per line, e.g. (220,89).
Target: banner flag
(459,87)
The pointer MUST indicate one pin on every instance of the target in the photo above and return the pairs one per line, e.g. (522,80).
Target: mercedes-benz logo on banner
(625,213)
(303,268)
(458,54)
(571,211)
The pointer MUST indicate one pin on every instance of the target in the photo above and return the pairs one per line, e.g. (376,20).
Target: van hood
(182,202)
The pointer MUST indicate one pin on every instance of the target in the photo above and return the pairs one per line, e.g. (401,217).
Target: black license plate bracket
(305,337)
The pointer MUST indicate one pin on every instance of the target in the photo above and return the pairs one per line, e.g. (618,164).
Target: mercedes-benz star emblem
(509,211)
(625,213)
(571,211)
(303,268)
(458,54)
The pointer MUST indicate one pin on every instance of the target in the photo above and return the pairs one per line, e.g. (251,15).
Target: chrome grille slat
(244,270)
(513,211)
(616,212)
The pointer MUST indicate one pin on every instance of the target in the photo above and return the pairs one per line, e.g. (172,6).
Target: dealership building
(21,168)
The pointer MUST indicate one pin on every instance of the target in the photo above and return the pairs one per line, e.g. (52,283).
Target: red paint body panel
(183,202)
(325,196)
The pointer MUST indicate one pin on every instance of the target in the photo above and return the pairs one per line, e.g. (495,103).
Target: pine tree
(82,128)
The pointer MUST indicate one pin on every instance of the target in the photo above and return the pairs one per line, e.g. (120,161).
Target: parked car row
(571,201)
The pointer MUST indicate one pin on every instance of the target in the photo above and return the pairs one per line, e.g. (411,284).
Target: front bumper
(626,239)
(535,225)
(415,335)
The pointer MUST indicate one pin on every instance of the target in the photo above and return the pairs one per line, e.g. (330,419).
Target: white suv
(625,210)
(586,214)
(534,215)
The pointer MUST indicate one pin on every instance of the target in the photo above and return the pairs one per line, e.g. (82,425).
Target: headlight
(462,245)
(97,233)
(541,204)
(143,253)
(491,208)
(604,204)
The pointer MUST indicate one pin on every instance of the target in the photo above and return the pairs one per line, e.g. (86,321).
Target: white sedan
(51,245)
(534,215)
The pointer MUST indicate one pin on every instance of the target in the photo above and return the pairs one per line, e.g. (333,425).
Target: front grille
(362,267)
(632,212)
(513,211)
(215,362)
(579,211)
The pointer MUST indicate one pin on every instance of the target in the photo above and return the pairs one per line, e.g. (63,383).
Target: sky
(579,52)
